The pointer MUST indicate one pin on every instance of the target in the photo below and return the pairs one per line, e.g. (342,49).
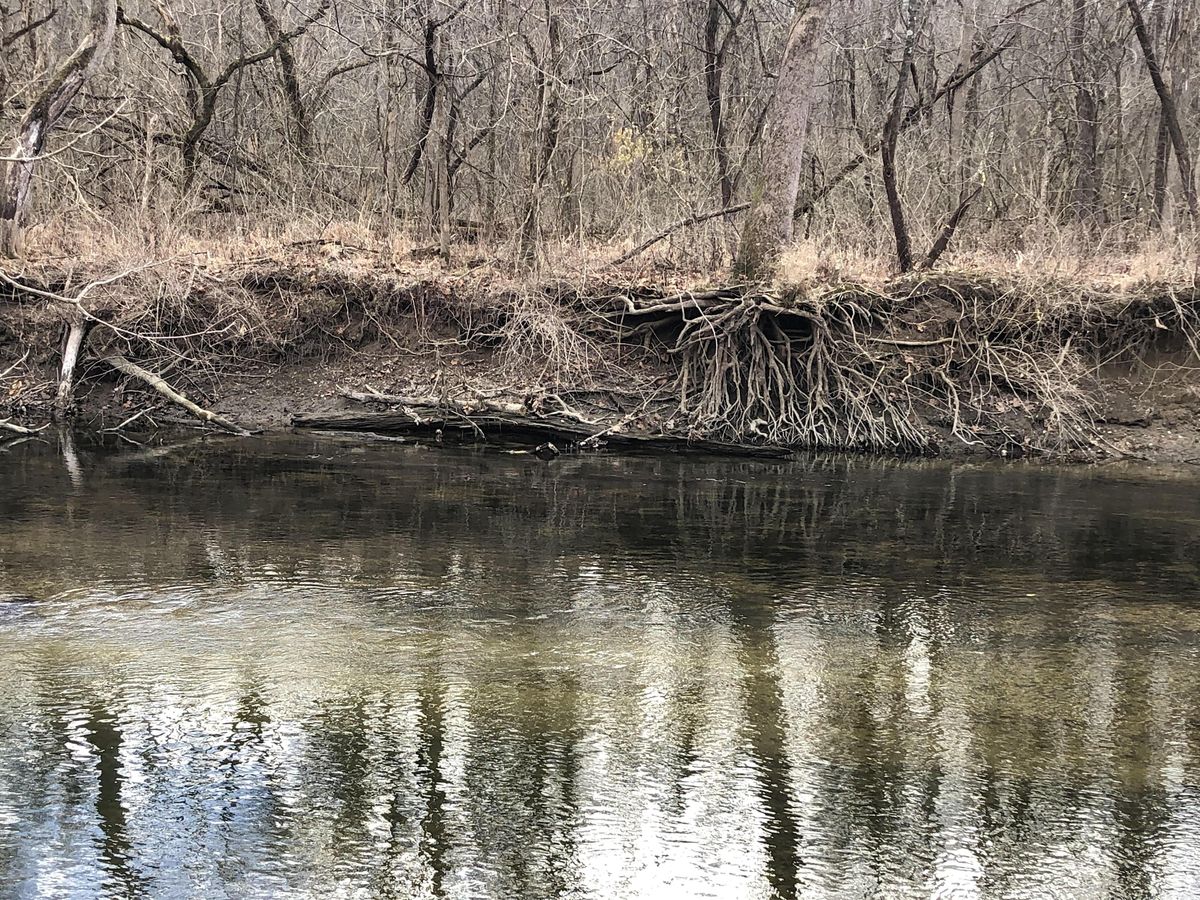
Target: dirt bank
(950,363)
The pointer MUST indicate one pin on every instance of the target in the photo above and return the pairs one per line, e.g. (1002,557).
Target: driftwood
(512,422)
(7,445)
(6,425)
(124,366)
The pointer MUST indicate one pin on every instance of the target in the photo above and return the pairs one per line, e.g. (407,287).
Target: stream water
(324,668)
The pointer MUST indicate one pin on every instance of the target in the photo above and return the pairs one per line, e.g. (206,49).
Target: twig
(897,342)
(130,420)
(69,145)
(13,367)
(943,239)
(695,219)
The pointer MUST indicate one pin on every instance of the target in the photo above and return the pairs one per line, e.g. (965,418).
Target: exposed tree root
(916,365)
(855,368)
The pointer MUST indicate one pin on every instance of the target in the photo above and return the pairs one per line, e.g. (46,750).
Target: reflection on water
(318,668)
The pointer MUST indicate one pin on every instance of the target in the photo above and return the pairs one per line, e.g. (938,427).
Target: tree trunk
(546,139)
(204,91)
(9,39)
(1183,156)
(288,78)
(437,181)
(891,134)
(1085,195)
(429,98)
(125,367)
(769,220)
(714,74)
(72,344)
(1162,163)
(960,109)
(43,115)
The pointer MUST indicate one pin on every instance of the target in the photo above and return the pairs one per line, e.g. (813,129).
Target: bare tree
(716,50)
(43,115)
(548,119)
(891,135)
(289,79)
(1086,190)
(1170,112)
(9,40)
(630,121)
(768,225)
(203,90)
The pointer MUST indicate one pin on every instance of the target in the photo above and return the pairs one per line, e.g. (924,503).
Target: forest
(877,224)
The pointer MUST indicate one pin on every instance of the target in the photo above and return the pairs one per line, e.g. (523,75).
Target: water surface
(320,668)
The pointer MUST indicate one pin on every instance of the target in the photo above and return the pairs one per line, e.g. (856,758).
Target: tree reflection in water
(321,669)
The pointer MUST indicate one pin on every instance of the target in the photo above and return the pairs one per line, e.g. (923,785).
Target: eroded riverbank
(947,363)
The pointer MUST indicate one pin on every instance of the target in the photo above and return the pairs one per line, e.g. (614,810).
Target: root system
(913,366)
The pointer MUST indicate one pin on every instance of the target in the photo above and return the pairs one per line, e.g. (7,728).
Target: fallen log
(428,420)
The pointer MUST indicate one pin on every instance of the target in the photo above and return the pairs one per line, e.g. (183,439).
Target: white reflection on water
(446,708)
(287,740)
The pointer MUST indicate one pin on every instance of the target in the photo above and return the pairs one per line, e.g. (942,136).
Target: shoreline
(943,364)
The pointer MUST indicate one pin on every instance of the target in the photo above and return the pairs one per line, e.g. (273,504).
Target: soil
(344,332)
(1151,409)
(1148,410)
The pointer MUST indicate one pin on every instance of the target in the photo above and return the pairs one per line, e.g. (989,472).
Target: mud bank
(958,363)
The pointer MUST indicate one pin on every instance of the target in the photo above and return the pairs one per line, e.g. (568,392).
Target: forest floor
(947,363)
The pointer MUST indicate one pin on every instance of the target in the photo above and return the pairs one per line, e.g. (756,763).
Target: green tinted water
(303,667)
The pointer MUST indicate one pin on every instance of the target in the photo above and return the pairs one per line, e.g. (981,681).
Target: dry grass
(1066,258)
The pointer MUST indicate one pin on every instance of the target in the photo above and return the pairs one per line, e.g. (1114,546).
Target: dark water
(315,668)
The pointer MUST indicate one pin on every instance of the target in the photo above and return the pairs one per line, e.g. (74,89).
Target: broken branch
(124,366)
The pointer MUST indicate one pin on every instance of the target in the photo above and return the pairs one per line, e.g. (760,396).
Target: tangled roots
(854,368)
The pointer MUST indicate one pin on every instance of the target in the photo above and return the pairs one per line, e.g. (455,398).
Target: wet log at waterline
(506,427)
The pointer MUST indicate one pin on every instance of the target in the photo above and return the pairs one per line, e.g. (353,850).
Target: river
(320,667)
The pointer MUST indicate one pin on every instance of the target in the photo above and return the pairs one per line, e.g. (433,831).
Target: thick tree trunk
(1183,156)
(40,119)
(768,224)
